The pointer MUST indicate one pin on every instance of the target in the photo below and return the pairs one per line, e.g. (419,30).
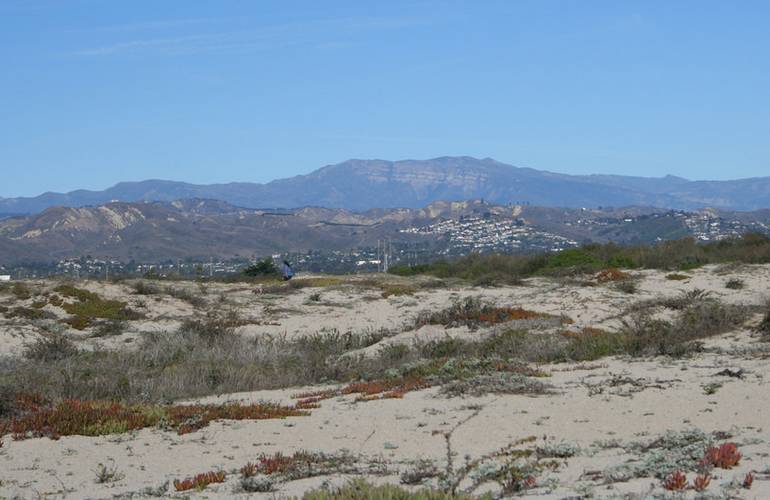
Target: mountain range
(361,185)
(198,229)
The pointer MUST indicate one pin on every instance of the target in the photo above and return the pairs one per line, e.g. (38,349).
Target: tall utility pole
(211,267)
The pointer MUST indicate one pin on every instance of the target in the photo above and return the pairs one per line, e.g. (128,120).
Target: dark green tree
(265,267)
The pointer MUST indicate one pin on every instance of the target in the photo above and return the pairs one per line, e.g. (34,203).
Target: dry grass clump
(705,318)
(201,358)
(685,299)
(33,416)
(677,277)
(390,290)
(19,290)
(359,489)
(277,287)
(213,328)
(50,346)
(143,287)
(107,474)
(109,328)
(764,326)
(278,463)
(473,313)
(200,481)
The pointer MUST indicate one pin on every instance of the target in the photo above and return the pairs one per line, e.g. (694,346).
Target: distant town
(444,239)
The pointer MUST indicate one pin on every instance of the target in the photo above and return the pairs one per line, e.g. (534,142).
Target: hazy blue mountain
(365,184)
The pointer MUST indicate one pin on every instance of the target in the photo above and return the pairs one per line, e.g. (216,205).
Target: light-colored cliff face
(108,218)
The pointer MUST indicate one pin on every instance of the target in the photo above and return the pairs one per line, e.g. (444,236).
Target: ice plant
(367,391)
(725,456)
(200,481)
(276,463)
(248,470)
(676,481)
(748,480)
(38,418)
(701,482)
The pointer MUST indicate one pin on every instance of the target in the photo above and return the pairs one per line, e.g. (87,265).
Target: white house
(5,277)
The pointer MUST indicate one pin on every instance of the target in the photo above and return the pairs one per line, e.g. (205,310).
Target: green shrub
(683,254)
(573,257)
(89,306)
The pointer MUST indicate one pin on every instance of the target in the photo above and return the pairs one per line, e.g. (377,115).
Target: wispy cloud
(327,34)
(153,25)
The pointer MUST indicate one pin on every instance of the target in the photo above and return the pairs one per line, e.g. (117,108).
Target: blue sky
(93,92)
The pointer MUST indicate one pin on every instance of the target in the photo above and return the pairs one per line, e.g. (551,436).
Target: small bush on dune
(29,313)
(473,312)
(89,306)
(359,489)
(110,328)
(686,299)
(53,346)
(21,291)
(647,336)
(496,383)
(143,287)
(213,328)
(627,286)
(397,290)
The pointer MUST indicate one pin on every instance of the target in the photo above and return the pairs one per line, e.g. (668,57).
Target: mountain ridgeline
(367,184)
(198,229)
